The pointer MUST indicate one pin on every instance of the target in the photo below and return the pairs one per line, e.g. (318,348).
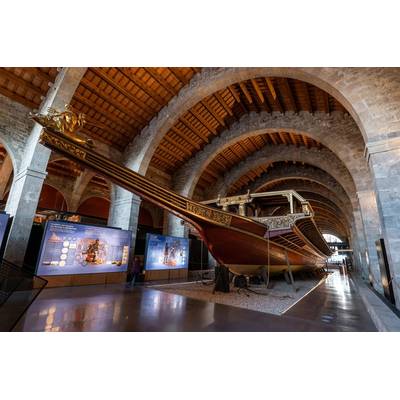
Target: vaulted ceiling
(120,101)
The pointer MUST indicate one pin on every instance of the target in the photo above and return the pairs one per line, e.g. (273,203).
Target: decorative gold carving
(65,122)
(208,213)
(60,144)
(280,222)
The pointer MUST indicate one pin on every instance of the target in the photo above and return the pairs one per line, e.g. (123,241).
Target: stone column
(5,174)
(124,212)
(25,192)
(80,185)
(176,227)
(362,247)
(372,230)
(384,159)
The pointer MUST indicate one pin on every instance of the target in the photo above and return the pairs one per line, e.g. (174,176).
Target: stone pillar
(80,185)
(384,160)
(5,174)
(362,247)
(25,192)
(176,227)
(124,213)
(372,230)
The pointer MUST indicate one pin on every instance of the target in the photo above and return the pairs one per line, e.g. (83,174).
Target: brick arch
(95,206)
(347,85)
(146,215)
(10,153)
(44,204)
(337,132)
(320,158)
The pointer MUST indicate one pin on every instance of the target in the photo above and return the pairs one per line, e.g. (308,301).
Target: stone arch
(292,172)
(320,158)
(350,86)
(336,132)
(324,197)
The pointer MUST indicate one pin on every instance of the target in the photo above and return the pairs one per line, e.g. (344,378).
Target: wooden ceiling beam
(179,76)
(132,114)
(274,94)
(234,93)
(142,106)
(21,82)
(253,144)
(211,172)
(325,97)
(95,136)
(273,138)
(220,163)
(143,87)
(213,112)
(185,137)
(106,114)
(223,103)
(246,92)
(258,90)
(199,134)
(203,121)
(176,154)
(183,149)
(305,141)
(282,137)
(293,138)
(90,121)
(157,77)
(38,72)
(166,160)
(19,99)
(307,96)
(288,93)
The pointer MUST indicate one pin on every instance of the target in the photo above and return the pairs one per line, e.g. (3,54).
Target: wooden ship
(245,244)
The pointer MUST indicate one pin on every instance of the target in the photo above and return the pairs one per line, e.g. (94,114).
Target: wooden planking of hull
(239,242)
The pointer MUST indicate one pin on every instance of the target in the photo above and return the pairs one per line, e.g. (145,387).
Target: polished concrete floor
(333,306)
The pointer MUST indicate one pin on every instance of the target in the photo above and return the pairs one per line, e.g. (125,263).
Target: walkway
(336,303)
(333,306)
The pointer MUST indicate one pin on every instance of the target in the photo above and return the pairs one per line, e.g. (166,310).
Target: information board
(69,248)
(166,252)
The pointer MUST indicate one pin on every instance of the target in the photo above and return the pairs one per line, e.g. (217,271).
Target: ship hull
(242,244)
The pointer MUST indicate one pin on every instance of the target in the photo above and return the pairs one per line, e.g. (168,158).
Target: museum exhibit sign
(165,256)
(70,249)
(166,252)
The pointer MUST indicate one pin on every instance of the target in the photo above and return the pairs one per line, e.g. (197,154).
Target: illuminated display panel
(69,249)
(3,226)
(166,252)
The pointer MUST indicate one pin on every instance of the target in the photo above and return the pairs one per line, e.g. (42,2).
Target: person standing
(134,272)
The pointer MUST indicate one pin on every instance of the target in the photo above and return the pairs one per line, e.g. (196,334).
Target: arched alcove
(95,207)
(51,198)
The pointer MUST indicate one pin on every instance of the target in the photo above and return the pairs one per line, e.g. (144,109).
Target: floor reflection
(333,306)
(335,302)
